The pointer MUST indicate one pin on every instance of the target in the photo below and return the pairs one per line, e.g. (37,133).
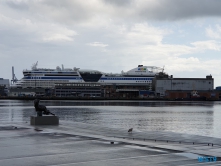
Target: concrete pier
(44,120)
(84,144)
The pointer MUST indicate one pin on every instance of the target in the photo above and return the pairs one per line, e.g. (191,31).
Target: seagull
(130,130)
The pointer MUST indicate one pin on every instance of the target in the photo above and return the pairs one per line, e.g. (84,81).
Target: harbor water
(197,117)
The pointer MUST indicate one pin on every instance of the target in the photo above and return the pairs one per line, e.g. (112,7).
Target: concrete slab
(206,153)
(44,120)
(85,144)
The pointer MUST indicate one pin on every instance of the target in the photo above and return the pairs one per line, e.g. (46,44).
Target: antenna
(14,79)
(34,66)
(76,69)
(163,69)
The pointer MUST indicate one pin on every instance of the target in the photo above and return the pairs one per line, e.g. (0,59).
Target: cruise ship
(46,78)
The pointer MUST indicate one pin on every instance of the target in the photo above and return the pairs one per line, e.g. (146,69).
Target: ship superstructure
(46,78)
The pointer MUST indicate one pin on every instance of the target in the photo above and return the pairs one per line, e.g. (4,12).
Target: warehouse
(164,83)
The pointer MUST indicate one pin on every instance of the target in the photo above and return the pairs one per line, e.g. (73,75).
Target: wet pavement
(74,143)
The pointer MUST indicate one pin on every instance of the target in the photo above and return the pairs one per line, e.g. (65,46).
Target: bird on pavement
(130,130)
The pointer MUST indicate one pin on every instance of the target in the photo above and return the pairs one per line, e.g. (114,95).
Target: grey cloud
(19,5)
(119,2)
(132,9)
(71,12)
(67,10)
(180,9)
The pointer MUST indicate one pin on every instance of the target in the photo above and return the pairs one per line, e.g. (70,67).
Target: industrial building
(4,85)
(78,90)
(163,83)
(4,82)
(92,89)
(2,91)
(128,90)
(27,92)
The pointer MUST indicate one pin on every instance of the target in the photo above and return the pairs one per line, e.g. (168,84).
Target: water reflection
(202,118)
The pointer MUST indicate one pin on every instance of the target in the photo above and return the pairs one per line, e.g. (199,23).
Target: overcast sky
(112,35)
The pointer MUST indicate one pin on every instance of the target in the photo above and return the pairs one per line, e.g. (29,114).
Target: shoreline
(98,98)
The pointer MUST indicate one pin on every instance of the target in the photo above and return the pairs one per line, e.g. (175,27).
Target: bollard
(167,141)
(212,144)
(193,143)
(112,142)
(208,144)
(155,140)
